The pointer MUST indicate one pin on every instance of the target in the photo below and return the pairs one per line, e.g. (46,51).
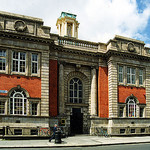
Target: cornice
(25,37)
(126,55)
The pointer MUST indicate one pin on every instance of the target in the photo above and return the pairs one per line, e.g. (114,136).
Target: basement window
(142,130)
(34,132)
(17,131)
(122,131)
(132,130)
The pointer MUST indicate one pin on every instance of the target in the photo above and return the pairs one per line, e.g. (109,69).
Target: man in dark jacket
(54,130)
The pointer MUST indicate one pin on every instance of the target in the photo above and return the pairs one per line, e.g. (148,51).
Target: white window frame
(141,76)
(13,98)
(73,98)
(3,58)
(19,62)
(131,105)
(34,62)
(131,75)
(120,74)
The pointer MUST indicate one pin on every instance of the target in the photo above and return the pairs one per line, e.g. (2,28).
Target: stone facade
(83,86)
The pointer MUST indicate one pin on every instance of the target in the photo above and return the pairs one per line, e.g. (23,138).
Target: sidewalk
(75,141)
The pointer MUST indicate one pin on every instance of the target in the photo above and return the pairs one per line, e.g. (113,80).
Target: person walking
(54,130)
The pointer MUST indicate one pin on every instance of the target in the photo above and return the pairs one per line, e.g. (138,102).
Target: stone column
(93,93)
(61,89)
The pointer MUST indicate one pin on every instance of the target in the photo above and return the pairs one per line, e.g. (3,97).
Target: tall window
(131,108)
(2,107)
(18,103)
(120,74)
(75,90)
(19,61)
(140,77)
(34,107)
(34,63)
(130,75)
(2,59)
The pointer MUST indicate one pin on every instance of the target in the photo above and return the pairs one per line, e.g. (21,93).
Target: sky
(100,20)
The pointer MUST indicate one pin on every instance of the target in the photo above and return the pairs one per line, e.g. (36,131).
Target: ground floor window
(2,107)
(34,108)
(18,103)
(131,108)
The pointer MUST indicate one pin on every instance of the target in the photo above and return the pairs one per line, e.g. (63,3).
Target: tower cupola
(67,25)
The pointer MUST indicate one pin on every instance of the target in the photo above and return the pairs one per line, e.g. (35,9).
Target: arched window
(75,90)
(18,103)
(131,108)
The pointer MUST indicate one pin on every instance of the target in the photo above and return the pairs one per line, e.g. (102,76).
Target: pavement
(74,141)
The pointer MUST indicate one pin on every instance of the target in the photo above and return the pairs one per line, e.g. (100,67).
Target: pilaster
(61,88)
(112,81)
(147,111)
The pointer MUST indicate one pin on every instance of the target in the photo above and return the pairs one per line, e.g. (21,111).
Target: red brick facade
(124,92)
(31,84)
(53,111)
(103,92)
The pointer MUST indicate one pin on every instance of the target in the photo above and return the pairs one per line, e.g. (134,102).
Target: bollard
(58,137)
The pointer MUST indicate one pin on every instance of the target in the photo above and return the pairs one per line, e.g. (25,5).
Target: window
(141,111)
(120,74)
(2,107)
(131,108)
(34,63)
(18,103)
(34,107)
(75,90)
(140,77)
(130,75)
(19,62)
(2,60)
(121,109)
(17,131)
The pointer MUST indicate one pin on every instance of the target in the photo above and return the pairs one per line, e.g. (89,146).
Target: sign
(3,91)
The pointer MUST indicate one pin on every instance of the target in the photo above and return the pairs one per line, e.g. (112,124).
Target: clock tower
(67,25)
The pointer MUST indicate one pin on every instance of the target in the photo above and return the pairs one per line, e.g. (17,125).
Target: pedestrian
(54,130)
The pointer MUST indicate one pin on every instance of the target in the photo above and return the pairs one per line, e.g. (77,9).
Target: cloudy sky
(100,20)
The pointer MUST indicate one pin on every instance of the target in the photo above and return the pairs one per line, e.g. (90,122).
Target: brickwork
(103,92)
(31,84)
(53,88)
(125,91)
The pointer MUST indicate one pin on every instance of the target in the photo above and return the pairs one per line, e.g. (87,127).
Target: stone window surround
(31,100)
(28,69)
(137,69)
(138,106)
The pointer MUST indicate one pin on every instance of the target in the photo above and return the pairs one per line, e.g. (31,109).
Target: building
(83,86)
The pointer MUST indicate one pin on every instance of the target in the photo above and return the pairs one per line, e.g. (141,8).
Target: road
(112,147)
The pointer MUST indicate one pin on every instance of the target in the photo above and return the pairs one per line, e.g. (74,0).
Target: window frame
(120,73)
(141,75)
(17,69)
(4,103)
(14,99)
(131,108)
(3,57)
(76,99)
(34,62)
(131,75)
(31,108)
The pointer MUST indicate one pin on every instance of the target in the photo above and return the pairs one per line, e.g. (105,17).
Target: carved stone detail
(131,47)
(20,26)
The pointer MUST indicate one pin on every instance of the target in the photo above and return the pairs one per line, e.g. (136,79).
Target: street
(112,147)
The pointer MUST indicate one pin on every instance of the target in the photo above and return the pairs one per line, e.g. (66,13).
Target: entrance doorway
(76,121)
